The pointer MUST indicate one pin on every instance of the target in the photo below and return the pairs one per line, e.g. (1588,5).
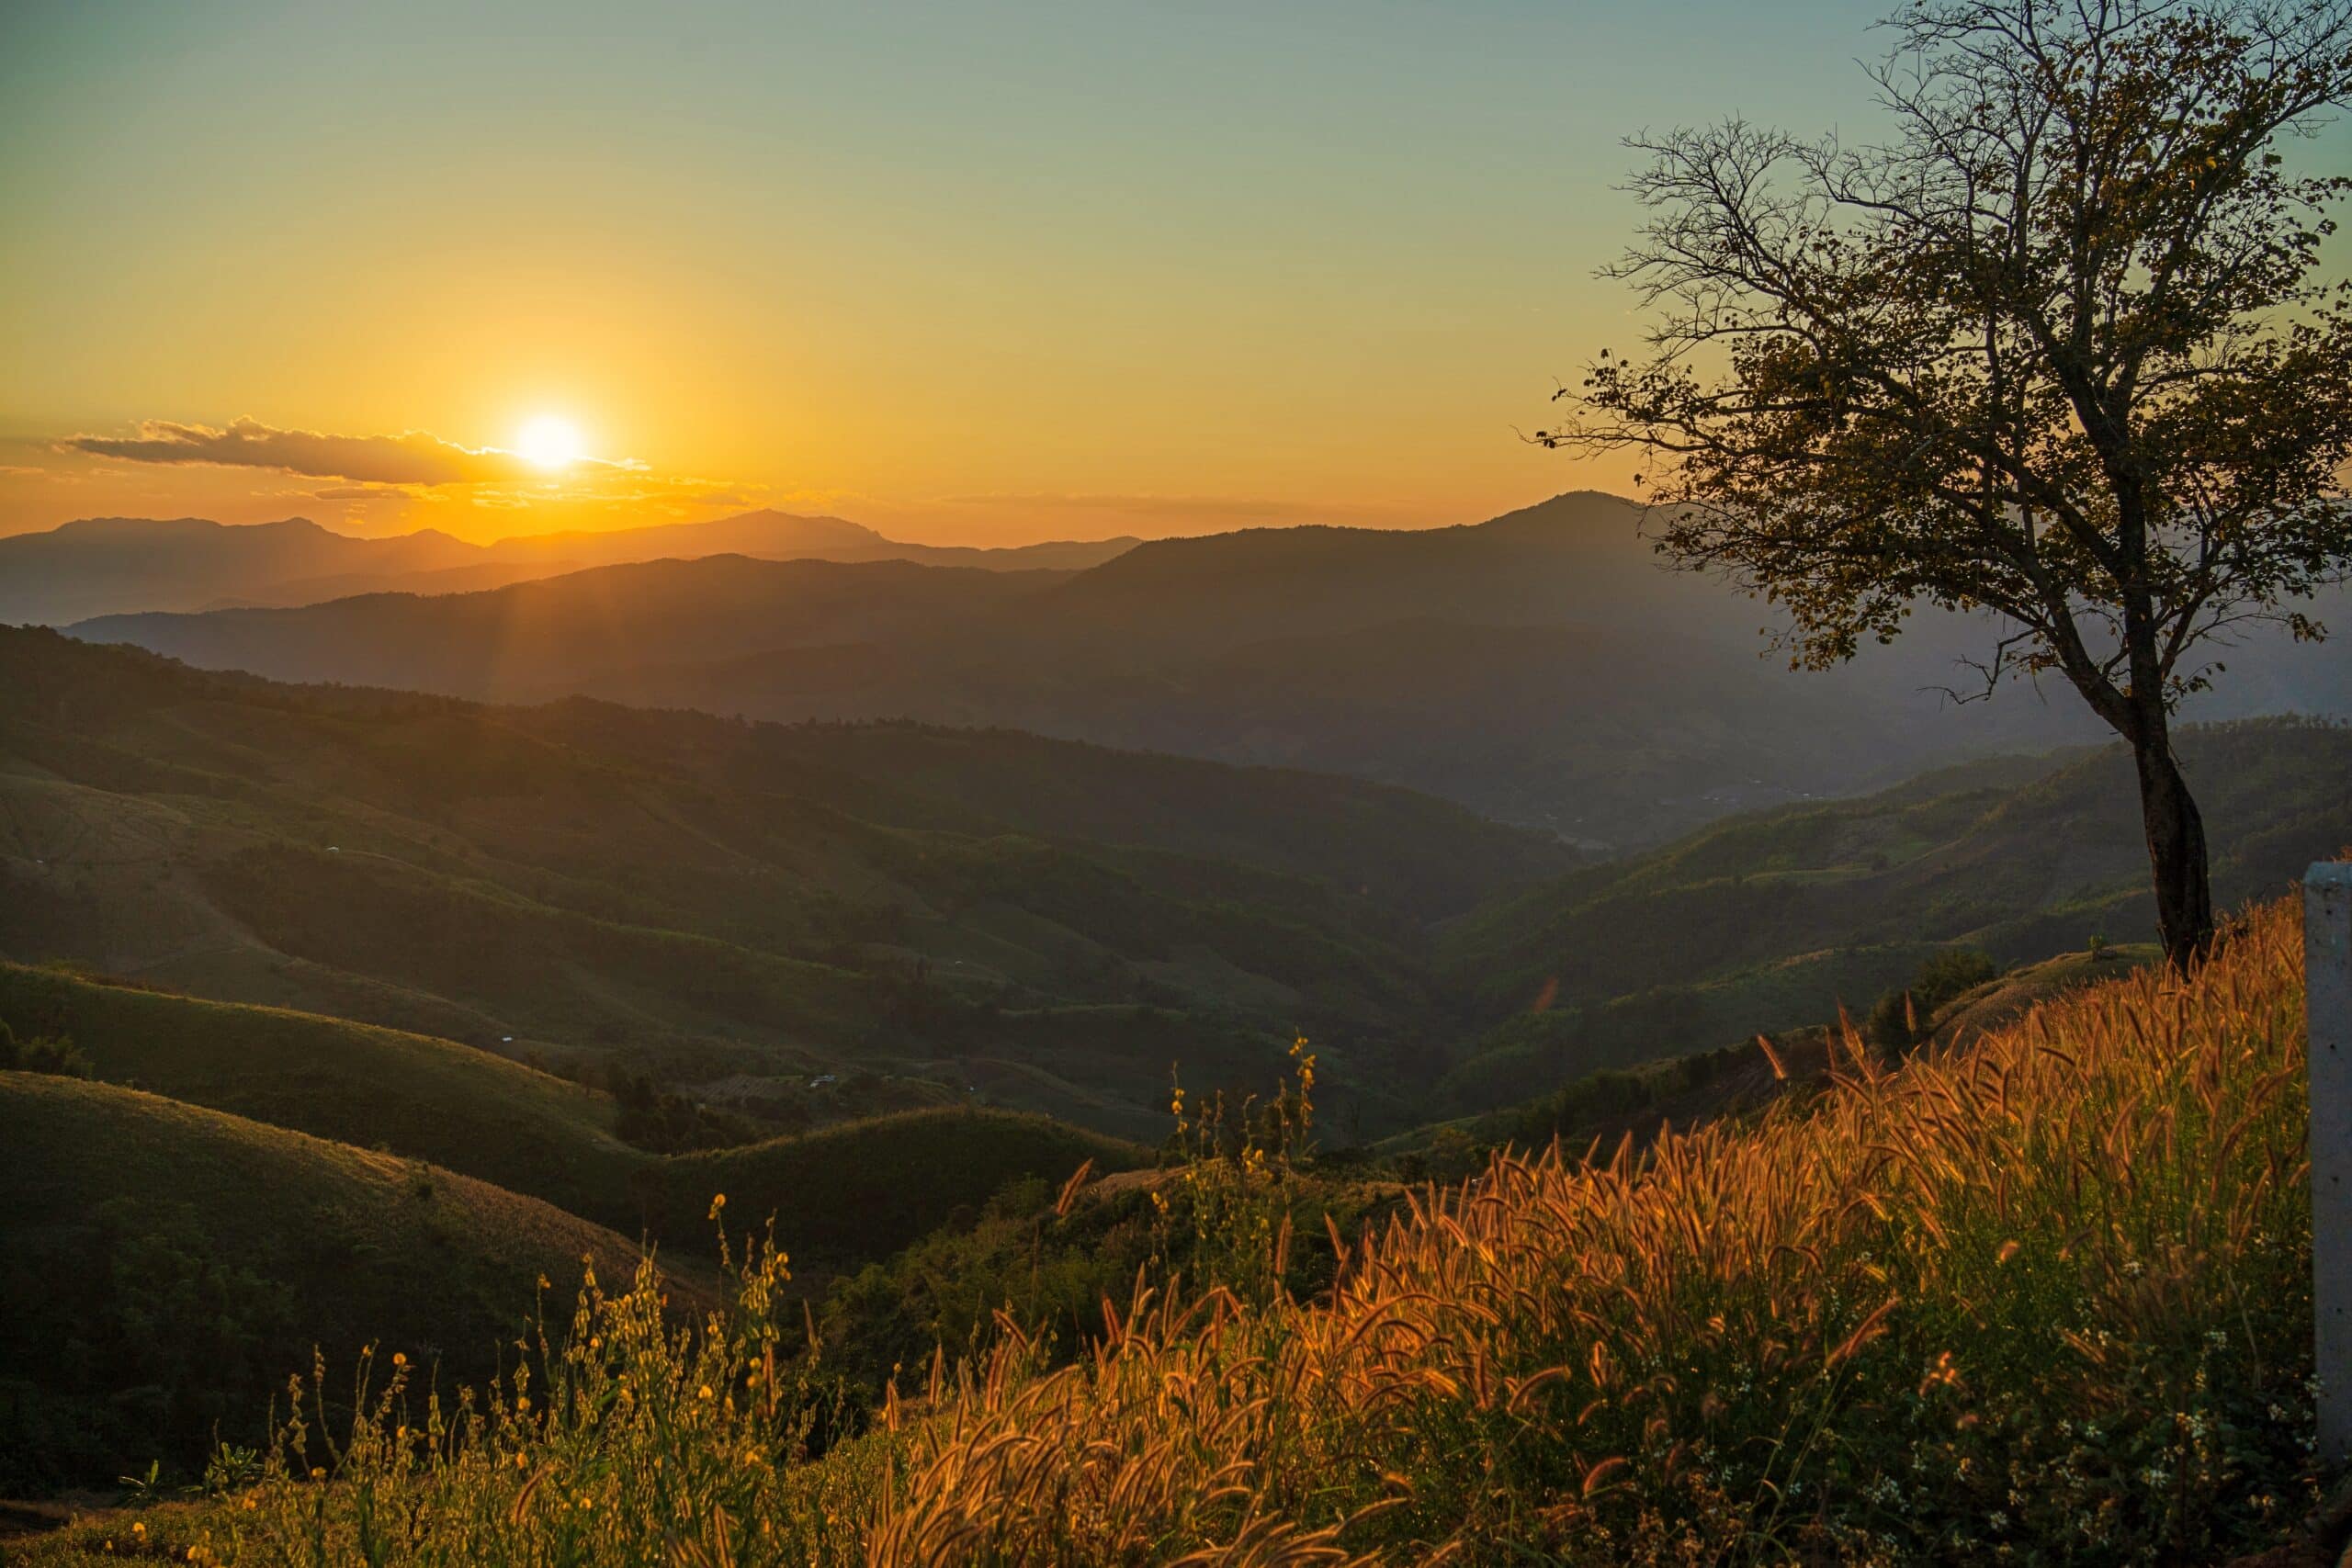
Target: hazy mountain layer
(107,566)
(1541,667)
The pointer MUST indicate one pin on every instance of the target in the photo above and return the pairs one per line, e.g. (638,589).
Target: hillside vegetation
(2046,1296)
(316,1182)
(1775,919)
(930,917)
(422,1098)
(713,902)
(841,1195)
(168,1267)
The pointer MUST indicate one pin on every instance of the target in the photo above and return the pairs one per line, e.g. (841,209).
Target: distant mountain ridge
(1542,667)
(105,565)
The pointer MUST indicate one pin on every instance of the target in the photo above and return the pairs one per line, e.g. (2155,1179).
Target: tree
(2058,348)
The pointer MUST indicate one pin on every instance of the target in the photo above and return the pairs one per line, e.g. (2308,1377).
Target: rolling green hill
(853,1194)
(936,917)
(168,1266)
(841,1195)
(421,1098)
(1772,920)
(169,1262)
(718,902)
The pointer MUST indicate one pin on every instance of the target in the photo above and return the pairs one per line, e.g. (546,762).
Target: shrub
(55,1054)
(1901,1019)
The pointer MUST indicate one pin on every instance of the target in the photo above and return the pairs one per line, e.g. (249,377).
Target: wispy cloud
(363,492)
(413,457)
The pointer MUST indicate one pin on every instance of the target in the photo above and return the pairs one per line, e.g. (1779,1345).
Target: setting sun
(550,440)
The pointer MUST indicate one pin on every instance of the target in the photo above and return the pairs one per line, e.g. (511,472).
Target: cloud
(363,492)
(414,457)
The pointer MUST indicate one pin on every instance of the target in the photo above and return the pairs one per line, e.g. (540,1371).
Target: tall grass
(2044,1299)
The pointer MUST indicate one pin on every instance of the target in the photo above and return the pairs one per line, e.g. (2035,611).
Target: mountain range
(102,566)
(1541,667)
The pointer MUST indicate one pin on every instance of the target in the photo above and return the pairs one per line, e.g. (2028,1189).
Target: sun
(550,440)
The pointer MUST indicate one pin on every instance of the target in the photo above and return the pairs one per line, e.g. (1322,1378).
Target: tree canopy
(2059,347)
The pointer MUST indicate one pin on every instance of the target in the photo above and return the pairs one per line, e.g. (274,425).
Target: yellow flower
(705,1390)
(718,1201)
(399,1359)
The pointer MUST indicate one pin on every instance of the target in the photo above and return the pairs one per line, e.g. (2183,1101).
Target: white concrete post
(2327,989)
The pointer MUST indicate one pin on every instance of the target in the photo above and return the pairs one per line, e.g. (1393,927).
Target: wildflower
(705,1390)
(718,1201)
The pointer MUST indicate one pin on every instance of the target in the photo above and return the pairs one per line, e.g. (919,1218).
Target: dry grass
(2044,1300)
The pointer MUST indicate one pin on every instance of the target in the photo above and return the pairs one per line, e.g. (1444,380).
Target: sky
(972,273)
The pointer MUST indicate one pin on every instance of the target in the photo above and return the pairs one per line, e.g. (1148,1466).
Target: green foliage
(1901,1019)
(43,1054)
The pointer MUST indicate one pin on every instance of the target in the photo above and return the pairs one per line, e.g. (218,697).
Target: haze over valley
(1542,667)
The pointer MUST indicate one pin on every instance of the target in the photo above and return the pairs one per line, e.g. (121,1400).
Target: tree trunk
(2176,850)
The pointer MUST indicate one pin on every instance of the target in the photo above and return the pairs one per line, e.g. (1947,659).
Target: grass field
(2044,1298)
